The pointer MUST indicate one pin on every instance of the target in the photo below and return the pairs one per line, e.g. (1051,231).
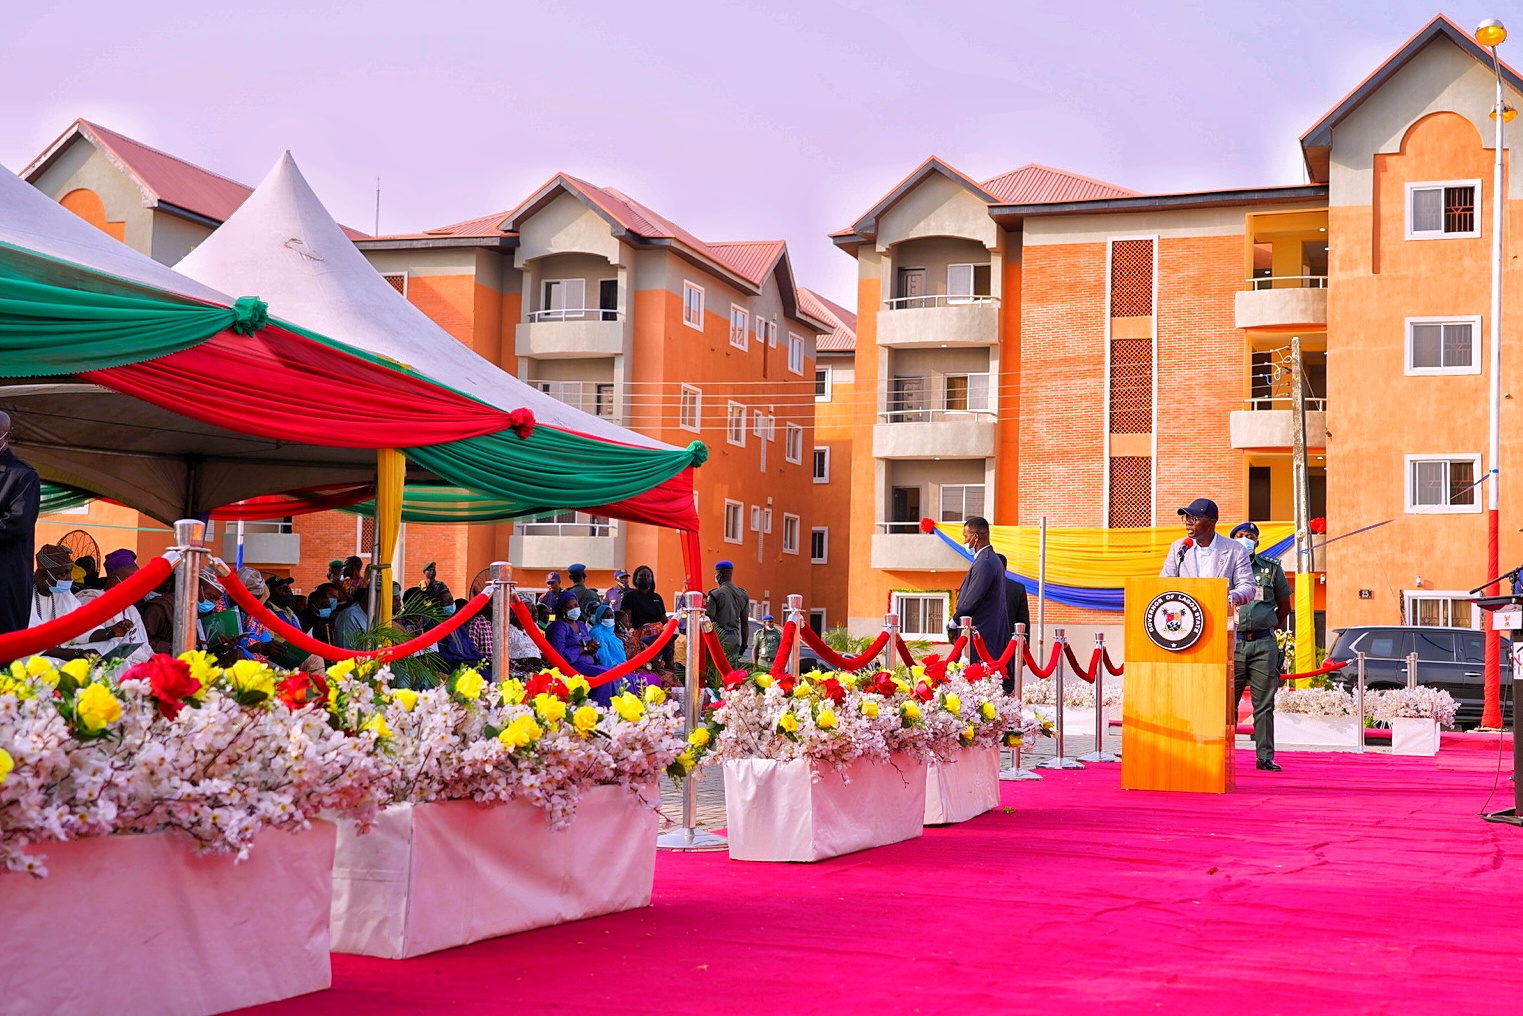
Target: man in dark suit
(20,496)
(1018,609)
(982,596)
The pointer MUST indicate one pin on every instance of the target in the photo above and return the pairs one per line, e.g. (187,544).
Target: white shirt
(1205,557)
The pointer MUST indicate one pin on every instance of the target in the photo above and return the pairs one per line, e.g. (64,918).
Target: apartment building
(835,395)
(1042,345)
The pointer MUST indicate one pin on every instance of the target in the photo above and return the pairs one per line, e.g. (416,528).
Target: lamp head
(1490,33)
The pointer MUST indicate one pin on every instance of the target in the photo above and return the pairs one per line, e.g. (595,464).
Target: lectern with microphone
(1505,613)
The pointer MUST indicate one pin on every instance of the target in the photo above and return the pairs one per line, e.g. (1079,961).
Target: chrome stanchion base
(1012,775)
(1508,817)
(1059,762)
(1099,756)
(691,839)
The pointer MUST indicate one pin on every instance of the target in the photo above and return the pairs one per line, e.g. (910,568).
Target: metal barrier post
(795,608)
(688,836)
(1100,754)
(189,537)
(1359,704)
(966,623)
(1411,670)
(1061,759)
(890,625)
(502,602)
(1015,772)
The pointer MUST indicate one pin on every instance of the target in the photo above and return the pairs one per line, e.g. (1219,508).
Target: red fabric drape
(904,651)
(669,505)
(302,501)
(29,641)
(838,661)
(1326,668)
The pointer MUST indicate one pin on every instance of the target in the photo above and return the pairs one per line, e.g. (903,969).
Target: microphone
(1183,547)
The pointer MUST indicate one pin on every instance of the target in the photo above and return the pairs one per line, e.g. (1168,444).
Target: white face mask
(573,613)
(1249,542)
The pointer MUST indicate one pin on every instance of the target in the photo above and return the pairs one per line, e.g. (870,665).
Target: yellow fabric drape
(1098,558)
(391,475)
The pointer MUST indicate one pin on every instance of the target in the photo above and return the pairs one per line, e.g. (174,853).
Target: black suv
(1449,658)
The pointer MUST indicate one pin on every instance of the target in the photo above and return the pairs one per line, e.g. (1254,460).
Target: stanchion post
(1359,702)
(891,628)
(1015,772)
(1100,754)
(795,603)
(688,836)
(190,535)
(966,624)
(502,603)
(1411,670)
(1061,759)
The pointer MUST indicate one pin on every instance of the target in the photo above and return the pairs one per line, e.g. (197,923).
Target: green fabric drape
(48,329)
(426,503)
(58,497)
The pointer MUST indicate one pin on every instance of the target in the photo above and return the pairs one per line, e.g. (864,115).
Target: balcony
(554,541)
(263,548)
(930,322)
(1283,302)
(912,550)
(566,333)
(1270,423)
(934,434)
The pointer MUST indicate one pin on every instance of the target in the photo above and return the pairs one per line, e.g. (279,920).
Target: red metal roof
(481,226)
(1035,184)
(750,259)
(843,334)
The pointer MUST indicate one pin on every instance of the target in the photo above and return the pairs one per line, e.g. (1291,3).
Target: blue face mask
(63,587)
(607,622)
(206,606)
(449,608)
(573,613)
(324,611)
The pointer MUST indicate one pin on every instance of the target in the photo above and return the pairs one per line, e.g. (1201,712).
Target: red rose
(1317,525)
(883,683)
(935,667)
(169,682)
(785,684)
(975,671)
(546,683)
(923,691)
(735,678)
(301,690)
(834,690)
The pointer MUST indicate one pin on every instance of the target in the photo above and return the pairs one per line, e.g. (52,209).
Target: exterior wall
(174,237)
(831,581)
(111,526)
(82,165)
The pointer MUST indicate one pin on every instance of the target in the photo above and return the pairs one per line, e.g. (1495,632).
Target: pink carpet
(1348,884)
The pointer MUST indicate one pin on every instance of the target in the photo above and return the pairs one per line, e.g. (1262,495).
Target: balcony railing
(576,314)
(939,300)
(899,527)
(1287,282)
(567,524)
(1273,403)
(924,415)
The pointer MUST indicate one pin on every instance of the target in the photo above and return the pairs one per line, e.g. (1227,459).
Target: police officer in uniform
(730,609)
(1257,663)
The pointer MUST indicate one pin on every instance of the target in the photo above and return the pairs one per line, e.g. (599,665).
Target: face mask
(1248,542)
(64,586)
(206,606)
(606,622)
(324,611)
(449,608)
(573,613)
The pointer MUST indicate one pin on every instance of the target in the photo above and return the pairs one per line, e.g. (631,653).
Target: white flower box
(1309,730)
(803,811)
(140,923)
(434,876)
(962,788)
(1414,736)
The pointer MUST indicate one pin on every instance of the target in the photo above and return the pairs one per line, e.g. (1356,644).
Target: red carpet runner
(1345,885)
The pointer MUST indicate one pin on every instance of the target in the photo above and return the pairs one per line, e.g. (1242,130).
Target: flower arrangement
(929,711)
(172,744)
(1420,702)
(1077,693)
(1326,701)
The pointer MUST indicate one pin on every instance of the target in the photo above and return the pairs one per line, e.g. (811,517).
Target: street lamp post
(1492,34)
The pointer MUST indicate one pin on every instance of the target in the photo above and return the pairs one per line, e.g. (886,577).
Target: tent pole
(391,472)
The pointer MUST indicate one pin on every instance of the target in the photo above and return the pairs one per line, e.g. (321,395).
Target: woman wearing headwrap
(569,635)
(610,648)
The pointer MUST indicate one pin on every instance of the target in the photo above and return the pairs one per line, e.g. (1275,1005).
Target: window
(793,443)
(822,384)
(795,354)
(603,406)
(569,392)
(759,425)
(397,281)
(817,620)
(967,392)
(922,615)
(690,412)
(906,400)
(1447,209)
(790,534)
(961,501)
(1443,484)
(735,424)
(563,299)
(1441,610)
(692,306)
(1443,345)
(733,533)
(819,545)
(967,283)
(771,428)
(364,537)
(766,332)
(822,464)
(738,321)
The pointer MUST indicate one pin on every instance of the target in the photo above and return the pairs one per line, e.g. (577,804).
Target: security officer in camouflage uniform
(1257,662)
(730,609)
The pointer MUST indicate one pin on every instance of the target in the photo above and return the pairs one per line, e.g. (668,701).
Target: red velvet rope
(784,649)
(1326,668)
(301,640)
(715,649)
(838,661)
(983,651)
(90,616)
(957,647)
(904,651)
(1110,667)
(526,619)
(558,661)
(1086,672)
(1044,672)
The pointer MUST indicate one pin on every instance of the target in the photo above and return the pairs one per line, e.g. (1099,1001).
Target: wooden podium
(1175,729)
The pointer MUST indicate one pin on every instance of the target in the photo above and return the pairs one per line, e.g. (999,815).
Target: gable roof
(842,337)
(1317,142)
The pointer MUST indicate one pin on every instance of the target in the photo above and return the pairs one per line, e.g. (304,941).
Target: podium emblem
(1175,621)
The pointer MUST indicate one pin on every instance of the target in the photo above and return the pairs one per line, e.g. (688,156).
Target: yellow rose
(6,764)
(577,683)
(849,681)
(825,720)
(764,680)
(917,672)
(377,723)
(97,708)
(585,720)
(901,684)
(469,684)
(407,697)
(968,734)
(802,690)
(520,733)
(870,710)
(512,692)
(203,667)
(249,676)
(343,668)
(629,707)
(788,723)
(988,710)
(77,669)
(551,709)
(910,711)
(700,737)
(952,703)
(654,694)
(686,761)
(17,670)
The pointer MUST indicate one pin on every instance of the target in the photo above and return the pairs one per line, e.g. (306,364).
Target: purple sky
(739,121)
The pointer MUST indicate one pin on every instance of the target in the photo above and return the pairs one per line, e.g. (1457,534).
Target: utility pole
(1306,612)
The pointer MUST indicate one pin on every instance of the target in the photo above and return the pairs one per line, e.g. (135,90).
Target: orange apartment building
(1045,345)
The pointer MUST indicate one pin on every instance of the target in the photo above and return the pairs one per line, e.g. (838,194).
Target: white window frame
(735,510)
(1439,234)
(759,425)
(817,612)
(690,422)
(791,526)
(824,556)
(941,500)
(793,443)
(567,311)
(766,332)
(1409,598)
(1412,508)
(829,382)
(820,476)
(971,296)
(1475,345)
(692,305)
(733,434)
(771,428)
(796,352)
(929,636)
(740,321)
